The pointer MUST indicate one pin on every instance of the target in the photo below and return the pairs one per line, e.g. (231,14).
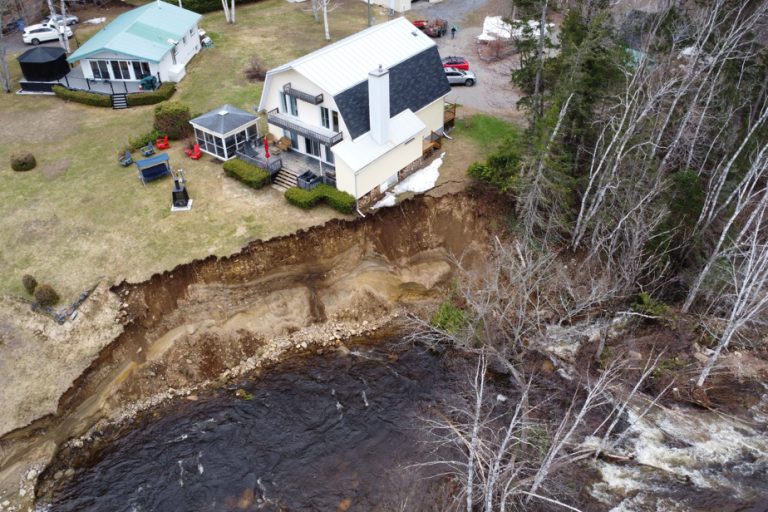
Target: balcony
(303,96)
(322,135)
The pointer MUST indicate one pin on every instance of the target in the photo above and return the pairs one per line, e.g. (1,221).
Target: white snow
(418,182)
(95,21)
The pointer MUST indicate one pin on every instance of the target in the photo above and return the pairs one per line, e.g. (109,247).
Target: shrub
(45,295)
(87,98)
(256,70)
(649,306)
(29,282)
(449,318)
(172,118)
(142,140)
(23,161)
(162,93)
(336,199)
(254,177)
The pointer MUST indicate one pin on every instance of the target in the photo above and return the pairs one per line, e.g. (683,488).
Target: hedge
(162,93)
(203,6)
(336,199)
(172,119)
(84,97)
(138,142)
(254,177)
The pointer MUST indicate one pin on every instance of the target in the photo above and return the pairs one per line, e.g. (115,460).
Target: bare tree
(746,294)
(229,10)
(504,451)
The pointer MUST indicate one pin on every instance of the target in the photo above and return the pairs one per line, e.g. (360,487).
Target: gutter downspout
(357,202)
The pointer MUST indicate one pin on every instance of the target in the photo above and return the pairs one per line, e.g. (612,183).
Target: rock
(188,361)
(22,492)
(58,475)
(6,504)
(32,473)
(191,329)
(634,355)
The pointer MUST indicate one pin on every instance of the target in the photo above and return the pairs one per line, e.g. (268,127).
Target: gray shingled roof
(413,84)
(224,119)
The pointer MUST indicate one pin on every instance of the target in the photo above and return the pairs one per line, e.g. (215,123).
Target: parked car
(456,62)
(11,26)
(36,34)
(68,20)
(460,77)
(433,28)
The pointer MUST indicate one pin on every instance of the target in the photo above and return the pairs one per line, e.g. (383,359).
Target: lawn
(79,216)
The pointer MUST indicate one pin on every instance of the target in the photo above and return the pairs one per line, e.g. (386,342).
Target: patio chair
(126,159)
(162,143)
(194,153)
(148,150)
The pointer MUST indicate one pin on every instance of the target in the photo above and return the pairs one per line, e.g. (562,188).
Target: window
(294,105)
(283,104)
(184,39)
(329,155)
(325,117)
(120,70)
(294,138)
(100,69)
(335,117)
(191,32)
(173,55)
(312,147)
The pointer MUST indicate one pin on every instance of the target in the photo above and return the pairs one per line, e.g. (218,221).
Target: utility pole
(62,35)
(369,13)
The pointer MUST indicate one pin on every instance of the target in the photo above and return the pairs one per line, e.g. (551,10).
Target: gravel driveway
(493,93)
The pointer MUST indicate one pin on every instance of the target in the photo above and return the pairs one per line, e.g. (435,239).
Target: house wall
(85,64)
(397,5)
(377,172)
(307,113)
(432,116)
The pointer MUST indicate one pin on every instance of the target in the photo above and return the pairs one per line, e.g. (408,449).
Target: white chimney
(378,104)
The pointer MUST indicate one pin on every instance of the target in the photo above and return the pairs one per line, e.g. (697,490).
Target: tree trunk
(5,75)
(62,35)
(325,20)
(232,13)
(64,17)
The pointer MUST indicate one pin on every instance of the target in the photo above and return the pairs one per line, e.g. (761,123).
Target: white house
(395,5)
(363,105)
(156,39)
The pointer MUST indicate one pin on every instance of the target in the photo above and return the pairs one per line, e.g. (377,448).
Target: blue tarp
(151,162)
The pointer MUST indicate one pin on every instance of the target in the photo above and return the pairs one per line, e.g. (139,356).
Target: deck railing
(314,99)
(271,165)
(322,135)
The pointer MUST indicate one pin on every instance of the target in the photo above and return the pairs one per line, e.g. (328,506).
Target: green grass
(79,216)
(487,130)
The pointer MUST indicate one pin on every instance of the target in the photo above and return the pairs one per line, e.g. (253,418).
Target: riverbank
(211,320)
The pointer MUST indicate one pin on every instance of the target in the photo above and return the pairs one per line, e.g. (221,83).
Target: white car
(68,20)
(36,34)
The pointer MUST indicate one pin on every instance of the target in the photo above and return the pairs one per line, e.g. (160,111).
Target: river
(336,432)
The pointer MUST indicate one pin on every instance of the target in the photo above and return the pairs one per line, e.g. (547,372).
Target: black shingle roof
(413,84)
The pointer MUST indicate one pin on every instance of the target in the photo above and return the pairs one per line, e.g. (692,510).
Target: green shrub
(24,161)
(87,98)
(449,318)
(29,282)
(162,93)
(172,119)
(647,305)
(336,199)
(45,295)
(142,140)
(254,177)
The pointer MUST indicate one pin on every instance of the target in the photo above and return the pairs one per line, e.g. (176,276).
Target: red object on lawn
(266,147)
(162,143)
(194,153)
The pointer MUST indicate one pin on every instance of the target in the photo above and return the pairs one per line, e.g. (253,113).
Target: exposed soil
(211,320)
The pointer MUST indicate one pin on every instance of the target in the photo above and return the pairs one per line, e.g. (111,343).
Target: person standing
(453,32)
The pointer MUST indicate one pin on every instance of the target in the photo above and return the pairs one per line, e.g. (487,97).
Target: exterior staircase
(285,179)
(119,101)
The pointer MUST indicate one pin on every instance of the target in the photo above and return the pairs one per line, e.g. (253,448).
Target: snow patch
(418,183)
(95,21)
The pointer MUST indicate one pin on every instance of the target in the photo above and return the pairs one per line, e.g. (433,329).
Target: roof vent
(223,112)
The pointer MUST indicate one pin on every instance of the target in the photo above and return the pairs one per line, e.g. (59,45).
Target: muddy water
(336,432)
